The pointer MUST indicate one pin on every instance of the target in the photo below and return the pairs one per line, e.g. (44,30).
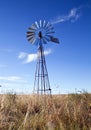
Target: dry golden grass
(32,112)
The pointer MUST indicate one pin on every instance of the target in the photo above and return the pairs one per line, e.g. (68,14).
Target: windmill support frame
(41,82)
(39,34)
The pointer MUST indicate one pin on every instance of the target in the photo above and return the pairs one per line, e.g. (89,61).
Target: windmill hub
(40,34)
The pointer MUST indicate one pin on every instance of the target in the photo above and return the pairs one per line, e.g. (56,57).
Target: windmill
(40,33)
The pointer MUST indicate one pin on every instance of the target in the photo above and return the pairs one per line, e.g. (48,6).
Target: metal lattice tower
(41,75)
(39,34)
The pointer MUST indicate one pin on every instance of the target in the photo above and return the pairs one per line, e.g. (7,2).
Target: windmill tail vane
(54,39)
(40,33)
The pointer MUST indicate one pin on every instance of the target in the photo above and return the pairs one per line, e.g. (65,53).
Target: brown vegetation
(59,112)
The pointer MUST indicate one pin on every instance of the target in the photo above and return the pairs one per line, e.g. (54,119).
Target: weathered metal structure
(39,34)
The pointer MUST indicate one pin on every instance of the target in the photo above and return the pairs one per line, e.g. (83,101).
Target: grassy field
(32,112)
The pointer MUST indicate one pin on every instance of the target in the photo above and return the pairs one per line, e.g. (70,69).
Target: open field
(30,112)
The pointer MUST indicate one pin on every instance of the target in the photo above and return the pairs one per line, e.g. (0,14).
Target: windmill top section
(41,32)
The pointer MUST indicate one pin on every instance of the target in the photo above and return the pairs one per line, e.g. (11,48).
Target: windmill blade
(49,25)
(49,29)
(50,32)
(47,39)
(40,23)
(36,43)
(34,26)
(30,38)
(33,40)
(37,25)
(29,33)
(44,41)
(31,29)
(45,24)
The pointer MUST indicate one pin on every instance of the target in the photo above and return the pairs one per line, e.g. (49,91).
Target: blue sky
(68,64)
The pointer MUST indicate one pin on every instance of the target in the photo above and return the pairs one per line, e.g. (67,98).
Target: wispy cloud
(6,50)
(22,55)
(12,79)
(3,66)
(21,88)
(16,85)
(27,58)
(47,52)
(73,15)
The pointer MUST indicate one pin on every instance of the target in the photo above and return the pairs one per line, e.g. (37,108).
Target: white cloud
(27,58)
(19,88)
(30,58)
(72,16)
(12,78)
(47,51)
(22,55)
(15,85)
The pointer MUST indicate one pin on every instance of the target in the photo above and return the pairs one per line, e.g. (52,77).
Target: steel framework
(41,82)
(40,33)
